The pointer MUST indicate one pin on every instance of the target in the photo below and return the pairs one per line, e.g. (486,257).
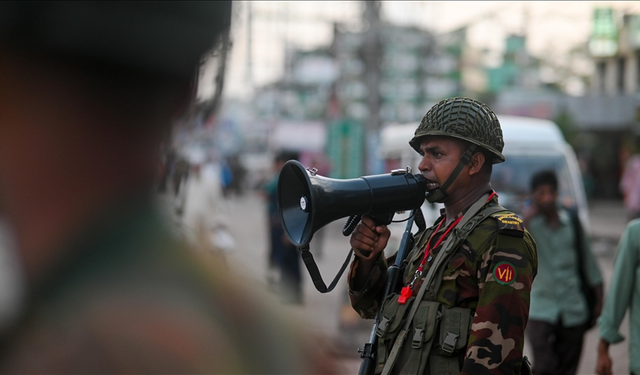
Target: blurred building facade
(335,88)
(415,69)
(602,123)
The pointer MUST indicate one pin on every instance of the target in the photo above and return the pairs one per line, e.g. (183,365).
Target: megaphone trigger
(351,224)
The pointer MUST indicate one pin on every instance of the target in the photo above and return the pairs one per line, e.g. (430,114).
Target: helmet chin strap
(439,194)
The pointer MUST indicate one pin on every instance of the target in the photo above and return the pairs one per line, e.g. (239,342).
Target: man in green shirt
(623,294)
(558,317)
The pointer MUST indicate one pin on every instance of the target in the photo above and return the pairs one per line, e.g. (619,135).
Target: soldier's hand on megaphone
(369,240)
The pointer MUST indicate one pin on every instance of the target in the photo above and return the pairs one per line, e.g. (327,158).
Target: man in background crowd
(559,315)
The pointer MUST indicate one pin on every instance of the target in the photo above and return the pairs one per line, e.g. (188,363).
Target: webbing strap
(447,247)
(437,280)
(314,272)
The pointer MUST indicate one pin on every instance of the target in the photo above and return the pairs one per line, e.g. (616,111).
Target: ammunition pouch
(392,318)
(436,337)
(454,330)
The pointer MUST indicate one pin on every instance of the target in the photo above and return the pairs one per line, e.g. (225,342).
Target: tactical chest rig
(422,336)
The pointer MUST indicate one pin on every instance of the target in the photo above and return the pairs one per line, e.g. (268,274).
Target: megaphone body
(307,201)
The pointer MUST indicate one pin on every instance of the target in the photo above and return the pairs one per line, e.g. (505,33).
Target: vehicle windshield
(511,179)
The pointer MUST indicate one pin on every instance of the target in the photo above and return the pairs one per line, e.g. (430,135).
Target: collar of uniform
(491,202)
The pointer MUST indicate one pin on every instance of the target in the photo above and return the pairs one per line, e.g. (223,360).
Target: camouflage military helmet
(463,118)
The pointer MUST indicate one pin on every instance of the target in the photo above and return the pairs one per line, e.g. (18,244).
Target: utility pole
(371,54)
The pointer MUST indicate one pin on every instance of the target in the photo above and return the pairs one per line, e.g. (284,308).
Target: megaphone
(307,201)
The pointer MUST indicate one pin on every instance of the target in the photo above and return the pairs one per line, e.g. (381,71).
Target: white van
(531,145)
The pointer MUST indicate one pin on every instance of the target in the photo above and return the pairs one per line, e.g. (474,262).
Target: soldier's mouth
(432,185)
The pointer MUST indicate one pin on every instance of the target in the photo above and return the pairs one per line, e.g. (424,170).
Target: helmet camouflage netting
(466,119)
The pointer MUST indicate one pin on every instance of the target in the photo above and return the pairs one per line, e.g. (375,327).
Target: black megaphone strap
(314,272)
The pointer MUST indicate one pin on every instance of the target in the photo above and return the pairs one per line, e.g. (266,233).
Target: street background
(327,316)
(334,80)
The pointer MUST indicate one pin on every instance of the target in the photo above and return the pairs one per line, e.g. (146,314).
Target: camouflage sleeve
(505,271)
(365,301)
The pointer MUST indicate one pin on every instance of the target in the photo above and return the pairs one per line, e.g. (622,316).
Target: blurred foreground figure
(87,91)
(623,294)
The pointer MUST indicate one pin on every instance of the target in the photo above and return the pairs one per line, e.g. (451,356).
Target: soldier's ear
(475,164)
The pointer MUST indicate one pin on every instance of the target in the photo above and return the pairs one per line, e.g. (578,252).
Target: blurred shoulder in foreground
(88,91)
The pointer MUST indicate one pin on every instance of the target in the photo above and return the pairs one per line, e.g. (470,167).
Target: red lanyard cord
(407,291)
(427,250)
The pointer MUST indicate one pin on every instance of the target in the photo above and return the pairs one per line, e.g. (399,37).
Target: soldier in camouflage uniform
(471,316)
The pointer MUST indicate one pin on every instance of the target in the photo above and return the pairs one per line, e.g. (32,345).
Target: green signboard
(604,33)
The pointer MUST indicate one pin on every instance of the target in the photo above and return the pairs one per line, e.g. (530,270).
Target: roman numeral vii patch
(504,273)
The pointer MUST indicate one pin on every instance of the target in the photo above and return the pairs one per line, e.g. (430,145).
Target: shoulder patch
(509,223)
(504,273)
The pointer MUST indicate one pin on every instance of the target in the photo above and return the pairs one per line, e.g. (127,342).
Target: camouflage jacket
(501,305)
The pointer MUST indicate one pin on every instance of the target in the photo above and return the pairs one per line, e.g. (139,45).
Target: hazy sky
(552,28)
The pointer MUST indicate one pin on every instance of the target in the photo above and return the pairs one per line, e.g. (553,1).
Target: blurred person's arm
(622,286)
(619,295)
(604,364)
(593,275)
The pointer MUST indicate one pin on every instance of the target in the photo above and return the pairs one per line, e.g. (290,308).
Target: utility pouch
(425,322)
(454,330)
(392,315)
(391,320)
(415,351)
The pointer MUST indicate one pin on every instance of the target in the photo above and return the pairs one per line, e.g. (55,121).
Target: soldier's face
(544,198)
(440,156)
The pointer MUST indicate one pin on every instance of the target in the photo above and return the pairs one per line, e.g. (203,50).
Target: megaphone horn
(307,201)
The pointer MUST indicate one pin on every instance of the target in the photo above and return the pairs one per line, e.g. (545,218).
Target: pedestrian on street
(560,313)
(284,259)
(205,216)
(630,183)
(88,91)
(623,294)
(464,303)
